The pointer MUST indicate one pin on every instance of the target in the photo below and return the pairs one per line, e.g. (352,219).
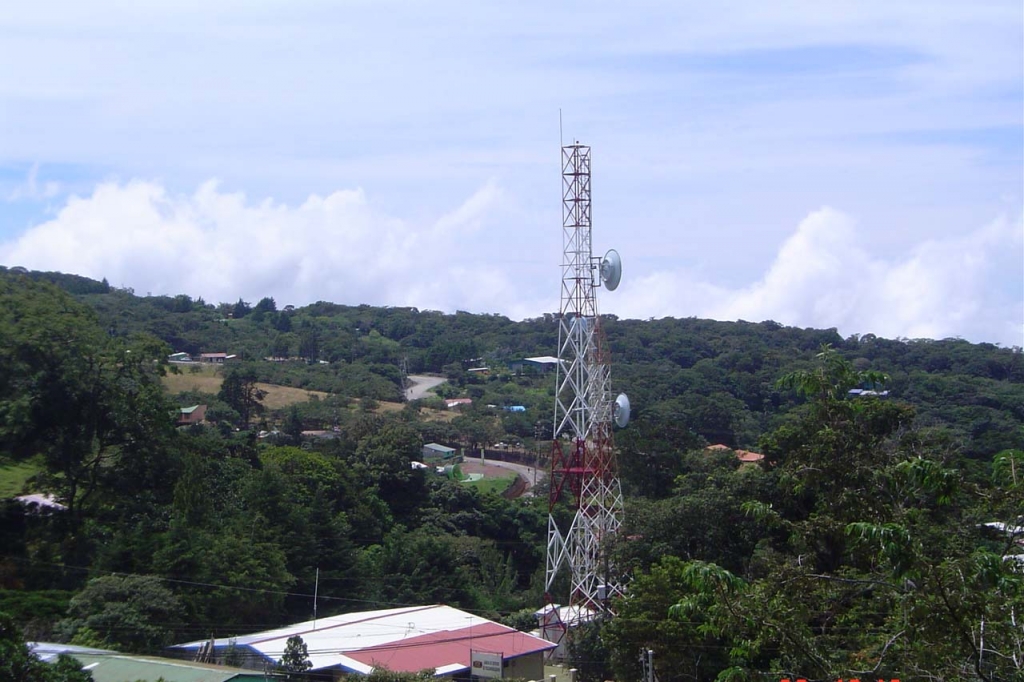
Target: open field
(209,379)
(283,396)
(492,485)
(176,383)
(495,479)
(13,476)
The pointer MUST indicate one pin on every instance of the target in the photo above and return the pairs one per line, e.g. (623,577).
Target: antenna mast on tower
(583,464)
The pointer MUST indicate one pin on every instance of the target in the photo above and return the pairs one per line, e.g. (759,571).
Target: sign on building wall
(486,664)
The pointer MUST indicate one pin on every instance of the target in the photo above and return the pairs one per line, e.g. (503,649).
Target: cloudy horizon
(857,166)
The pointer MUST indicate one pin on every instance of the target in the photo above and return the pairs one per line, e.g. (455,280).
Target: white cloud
(221,246)
(341,247)
(824,276)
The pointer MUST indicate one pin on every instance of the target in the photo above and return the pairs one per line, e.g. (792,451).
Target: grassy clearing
(208,379)
(192,382)
(14,475)
(283,396)
(195,377)
(492,485)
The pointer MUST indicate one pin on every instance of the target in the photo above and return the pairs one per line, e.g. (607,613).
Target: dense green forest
(857,547)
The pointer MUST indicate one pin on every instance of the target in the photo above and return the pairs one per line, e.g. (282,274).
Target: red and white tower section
(584,472)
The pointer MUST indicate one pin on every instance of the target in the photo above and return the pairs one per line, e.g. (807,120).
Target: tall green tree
(240,391)
(84,400)
(295,659)
(127,613)
(874,565)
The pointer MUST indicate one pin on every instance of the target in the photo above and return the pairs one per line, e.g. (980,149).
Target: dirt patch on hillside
(426,413)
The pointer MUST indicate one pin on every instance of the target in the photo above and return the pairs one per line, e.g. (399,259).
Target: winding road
(421,385)
(528,473)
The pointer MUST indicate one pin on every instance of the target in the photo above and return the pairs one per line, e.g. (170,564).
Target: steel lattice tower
(583,465)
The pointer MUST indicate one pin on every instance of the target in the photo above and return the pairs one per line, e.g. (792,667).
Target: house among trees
(192,415)
(216,358)
(408,639)
(435,452)
(179,357)
(742,455)
(541,363)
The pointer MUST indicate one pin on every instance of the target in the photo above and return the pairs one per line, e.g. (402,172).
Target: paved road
(421,385)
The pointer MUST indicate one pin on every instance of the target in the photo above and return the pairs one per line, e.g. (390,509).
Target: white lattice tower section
(582,454)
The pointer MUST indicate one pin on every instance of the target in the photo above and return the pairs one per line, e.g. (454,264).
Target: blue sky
(847,164)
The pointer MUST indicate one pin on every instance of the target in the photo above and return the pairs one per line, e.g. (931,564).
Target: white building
(407,639)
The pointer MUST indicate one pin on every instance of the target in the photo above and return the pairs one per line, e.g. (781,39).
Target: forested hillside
(857,547)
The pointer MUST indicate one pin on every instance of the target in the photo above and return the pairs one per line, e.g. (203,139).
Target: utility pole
(316,590)
(647,664)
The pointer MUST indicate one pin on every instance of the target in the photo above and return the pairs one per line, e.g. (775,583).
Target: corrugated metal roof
(48,651)
(110,666)
(449,651)
(121,668)
(439,634)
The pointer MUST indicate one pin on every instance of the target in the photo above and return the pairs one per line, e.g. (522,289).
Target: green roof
(125,668)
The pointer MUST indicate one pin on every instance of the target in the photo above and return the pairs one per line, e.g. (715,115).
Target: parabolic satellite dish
(621,411)
(611,270)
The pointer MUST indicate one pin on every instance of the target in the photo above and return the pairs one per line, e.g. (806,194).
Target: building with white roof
(554,622)
(408,639)
(540,363)
(110,666)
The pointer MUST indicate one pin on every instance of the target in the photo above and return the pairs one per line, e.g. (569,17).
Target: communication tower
(583,464)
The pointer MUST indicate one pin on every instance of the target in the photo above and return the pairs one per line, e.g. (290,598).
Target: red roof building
(741,455)
(408,639)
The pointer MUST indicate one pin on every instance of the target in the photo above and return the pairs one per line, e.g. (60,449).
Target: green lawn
(13,475)
(492,485)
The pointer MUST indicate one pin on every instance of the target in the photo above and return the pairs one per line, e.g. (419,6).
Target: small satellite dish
(611,270)
(620,413)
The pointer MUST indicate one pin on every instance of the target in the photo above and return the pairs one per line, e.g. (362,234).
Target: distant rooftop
(741,455)
(543,360)
(111,666)
(407,639)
